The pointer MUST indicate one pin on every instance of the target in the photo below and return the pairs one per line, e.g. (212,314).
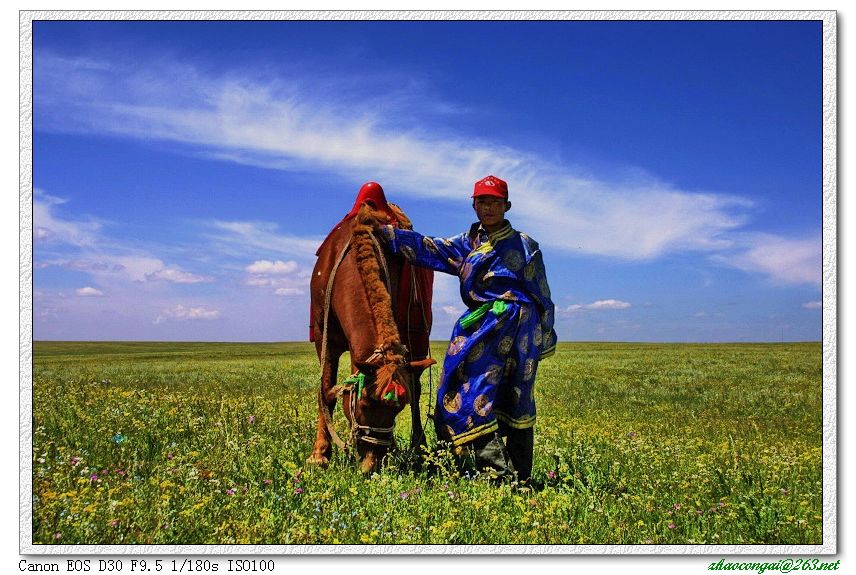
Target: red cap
(491,186)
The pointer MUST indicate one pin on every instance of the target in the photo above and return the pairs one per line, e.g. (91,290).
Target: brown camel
(366,313)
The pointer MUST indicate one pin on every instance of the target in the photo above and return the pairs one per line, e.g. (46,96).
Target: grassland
(202,443)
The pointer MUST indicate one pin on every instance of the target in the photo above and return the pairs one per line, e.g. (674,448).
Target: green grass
(205,443)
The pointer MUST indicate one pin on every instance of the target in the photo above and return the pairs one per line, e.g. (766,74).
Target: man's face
(490,210)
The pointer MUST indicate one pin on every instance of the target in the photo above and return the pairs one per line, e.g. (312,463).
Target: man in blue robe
(488,385)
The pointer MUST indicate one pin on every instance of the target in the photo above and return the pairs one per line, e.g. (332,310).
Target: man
(488,384)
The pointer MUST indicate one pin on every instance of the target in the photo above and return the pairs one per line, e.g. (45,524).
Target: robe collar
(479,235)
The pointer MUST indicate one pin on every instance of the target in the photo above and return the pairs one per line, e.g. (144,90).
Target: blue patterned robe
(489,372)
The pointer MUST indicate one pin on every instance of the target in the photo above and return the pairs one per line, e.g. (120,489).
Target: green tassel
(475,315)
(360,380)
(498,307)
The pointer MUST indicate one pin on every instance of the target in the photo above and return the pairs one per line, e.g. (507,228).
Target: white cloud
(273,268)
(136,267)
(89,292)
(176,275)
(90,265)
(182,313)
(597,305)
(608,304)
(813,305)
(281,282)
(48,227)
(257,281)
(112,267)
(238,238)
(43,234)
(94,252)
(284,276)
(285,125)
(783,260)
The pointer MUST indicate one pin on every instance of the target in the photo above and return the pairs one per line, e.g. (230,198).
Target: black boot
(490,456)
(520,444)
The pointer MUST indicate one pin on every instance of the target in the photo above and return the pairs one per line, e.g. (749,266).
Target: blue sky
(185,172)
